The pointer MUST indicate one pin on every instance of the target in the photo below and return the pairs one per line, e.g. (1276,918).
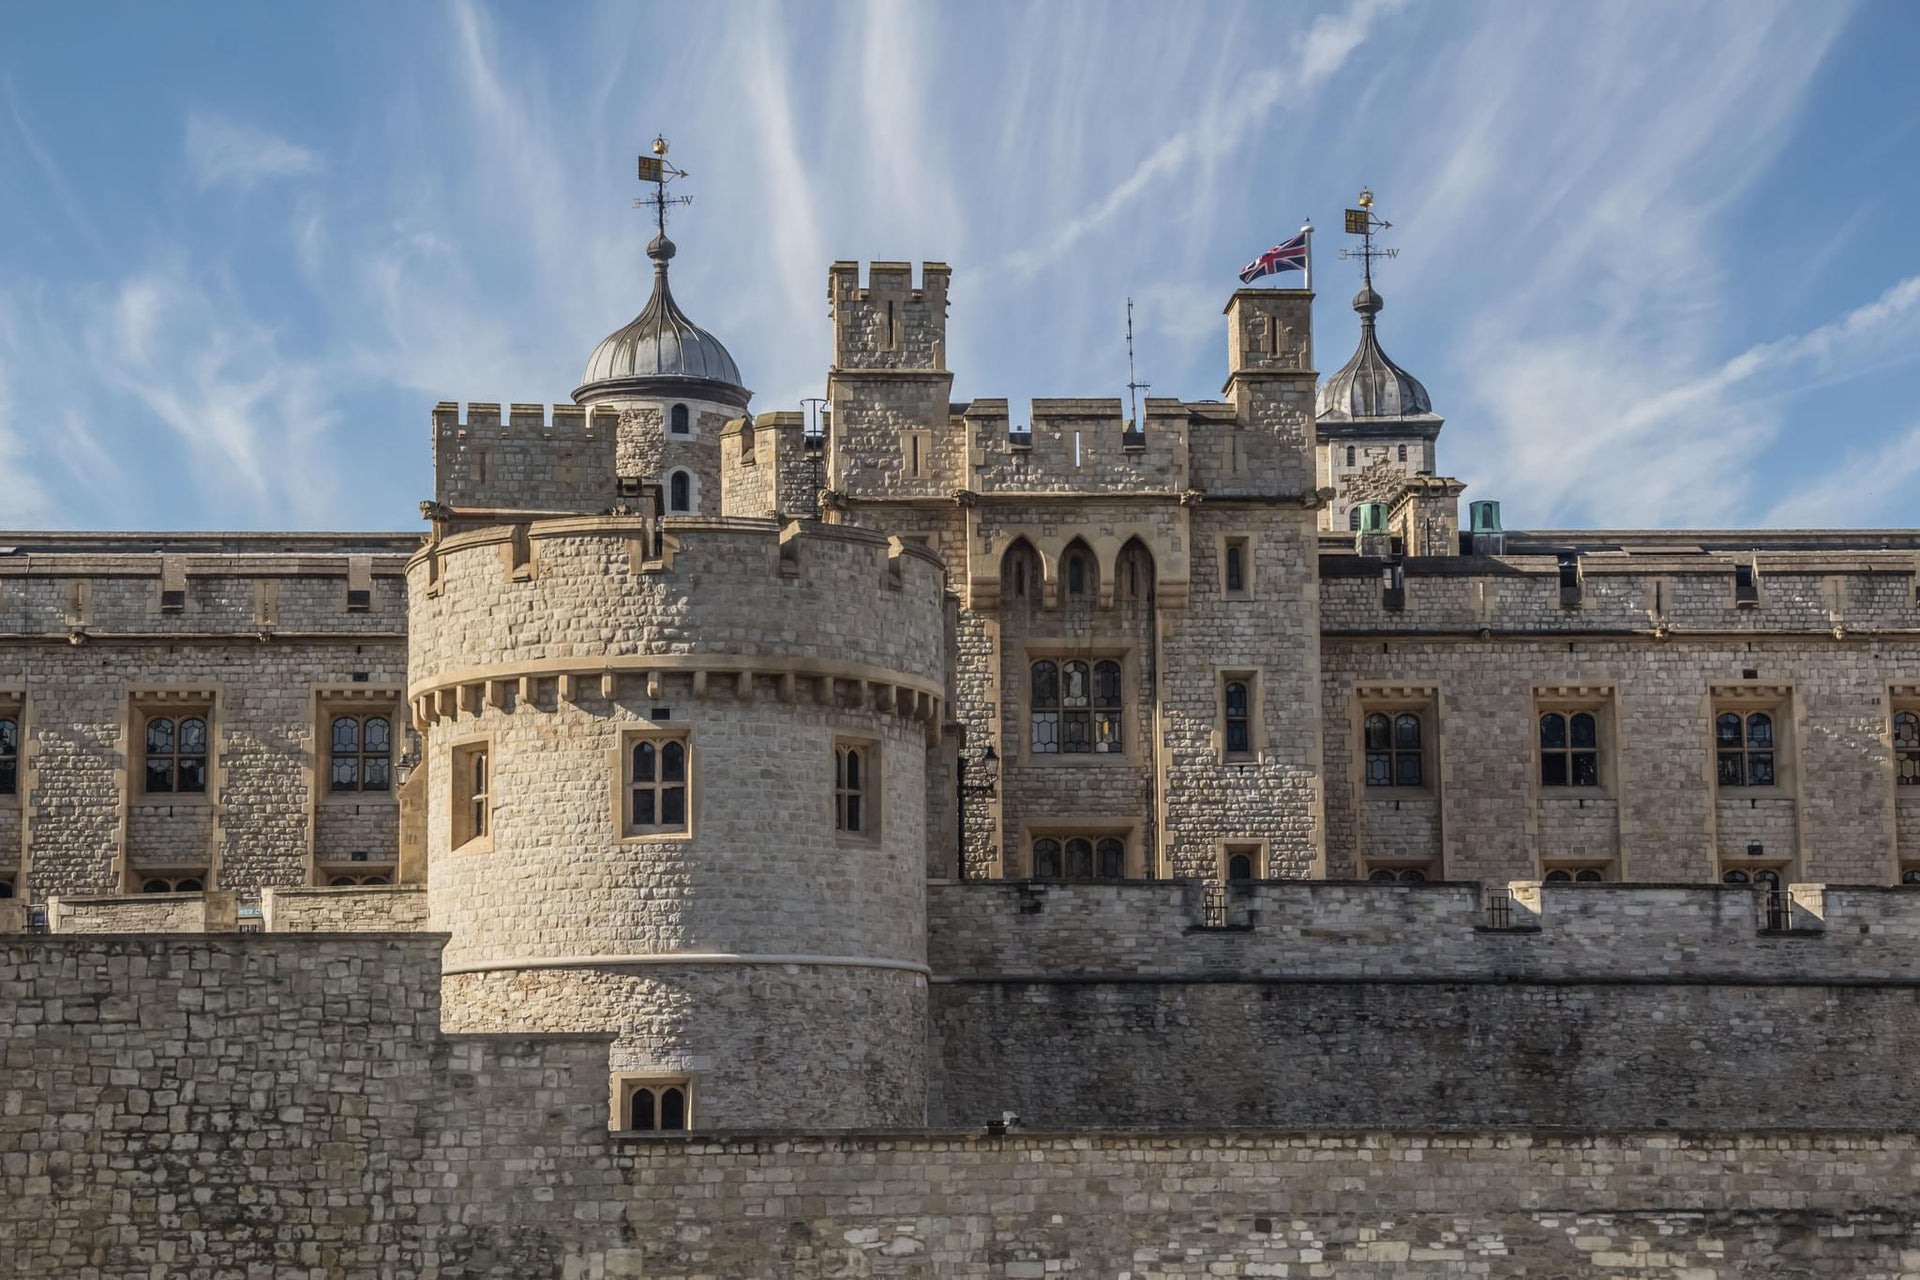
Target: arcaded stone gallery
(939,839)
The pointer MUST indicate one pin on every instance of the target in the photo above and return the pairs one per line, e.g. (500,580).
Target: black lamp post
(990,770)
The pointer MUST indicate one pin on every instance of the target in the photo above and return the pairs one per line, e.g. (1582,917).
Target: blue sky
(1658,262)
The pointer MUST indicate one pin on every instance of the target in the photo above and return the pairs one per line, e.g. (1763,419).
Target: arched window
(1019,571)
(1745,748)
(1046,859)
(1413,875)
(657,784)
(1349,455)
(1906,749)
(659,1107)
(1736,877)
(1353,519)
(1239,868)
(1403,453)
(1075,708)
(849,787)
(1239,723)
(349,882)
(1910,876)
(1078,575)
(177,755)
(679,421)
(362,749)
(172,884)
(679,493)
(1383,876)
(1569,750)
(1393,750)
(1236,569)
(1079,858)
(9,757)
(1575,875)
(1134,572)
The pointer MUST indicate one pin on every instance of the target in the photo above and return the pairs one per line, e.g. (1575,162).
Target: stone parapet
(359,909)
(1318,931)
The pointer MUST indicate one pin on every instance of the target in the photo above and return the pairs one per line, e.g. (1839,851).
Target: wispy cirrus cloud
(223,152)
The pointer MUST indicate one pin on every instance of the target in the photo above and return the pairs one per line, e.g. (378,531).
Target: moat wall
(248,1105)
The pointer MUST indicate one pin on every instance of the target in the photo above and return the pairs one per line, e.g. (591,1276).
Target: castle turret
(673,384)
(1377,428)
(677,791)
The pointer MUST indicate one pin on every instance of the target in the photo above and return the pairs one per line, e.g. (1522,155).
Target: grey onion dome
(1371,385)
(660,352)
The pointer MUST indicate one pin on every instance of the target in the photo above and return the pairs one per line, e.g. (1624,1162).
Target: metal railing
(1774,910)
(1213,906)
(1499,909)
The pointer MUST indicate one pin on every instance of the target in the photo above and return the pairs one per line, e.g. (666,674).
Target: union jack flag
(1291,256)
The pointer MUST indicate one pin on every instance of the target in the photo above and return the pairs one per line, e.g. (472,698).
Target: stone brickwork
(558,460)
(366,1143)
(98,631)
(759,650)
(370,909)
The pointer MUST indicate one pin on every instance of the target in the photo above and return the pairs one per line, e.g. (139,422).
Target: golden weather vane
(655,169)
(1361,222)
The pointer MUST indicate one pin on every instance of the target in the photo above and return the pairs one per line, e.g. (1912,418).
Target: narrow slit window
(1906,749)
(851,776)
(1239,722)
(680,493)
(9,756)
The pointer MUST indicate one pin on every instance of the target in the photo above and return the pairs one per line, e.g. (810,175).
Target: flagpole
(1306,229)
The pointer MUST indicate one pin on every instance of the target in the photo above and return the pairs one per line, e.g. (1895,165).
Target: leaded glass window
(657,784)
(1744,745)
(1075,708)
(1393,750)
(176,755)
(1569,750)
(9,757)
(1906,748)
(362,752)
(1238,720)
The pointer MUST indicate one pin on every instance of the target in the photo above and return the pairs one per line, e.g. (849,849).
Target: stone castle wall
(260,635)
(1355,1004)
(560,646)
(1836,814)
(367,1143)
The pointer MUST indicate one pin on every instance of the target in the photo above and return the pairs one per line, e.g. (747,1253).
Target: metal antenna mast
(1134,385)
(1362,223)
(655,169)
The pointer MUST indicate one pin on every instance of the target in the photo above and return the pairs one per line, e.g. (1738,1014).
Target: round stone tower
(677,791)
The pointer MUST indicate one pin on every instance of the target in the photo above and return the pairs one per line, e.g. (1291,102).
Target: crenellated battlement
(553,421)
(887,323)
(628,594)
(557,457)
(1077,445)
